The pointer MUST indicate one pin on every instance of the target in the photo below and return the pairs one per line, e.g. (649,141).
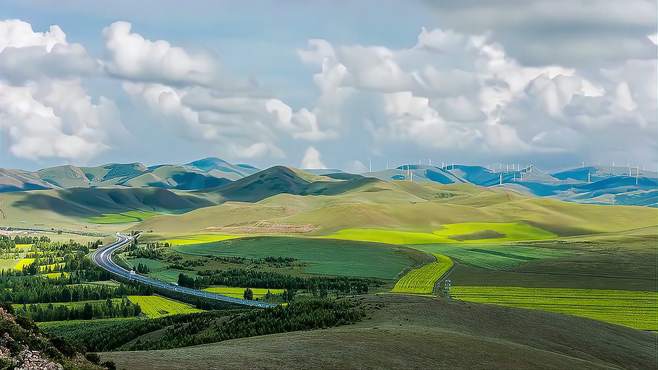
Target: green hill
(420,332)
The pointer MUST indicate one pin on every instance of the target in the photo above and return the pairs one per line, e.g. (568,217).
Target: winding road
(103,258)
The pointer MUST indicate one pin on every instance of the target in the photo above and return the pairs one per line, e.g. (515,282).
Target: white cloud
(312,159)
(28,55)
(131,56)
(457,92)
(55,120)
(44,110)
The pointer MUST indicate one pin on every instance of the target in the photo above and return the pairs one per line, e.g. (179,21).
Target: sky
(328,84)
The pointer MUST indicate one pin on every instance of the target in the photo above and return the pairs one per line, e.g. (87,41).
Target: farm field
(321,256)
(237,292)
(199,239)
(634,309)
(122,218)
(494,257)
(156,306)
(423,279)
(8,263)
(20,265)
(469,232)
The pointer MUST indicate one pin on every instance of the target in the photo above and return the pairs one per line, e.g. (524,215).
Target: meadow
(422,280)
(468,232)
(237,292)
(122,218)
(493,256)
(320,256)
(635,309)
(199,239)
(156,306)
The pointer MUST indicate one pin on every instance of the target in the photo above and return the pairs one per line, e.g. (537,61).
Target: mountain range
(242,182)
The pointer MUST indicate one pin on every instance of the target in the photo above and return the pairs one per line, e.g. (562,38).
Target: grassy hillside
(409,207)
(72,207)
(427,333)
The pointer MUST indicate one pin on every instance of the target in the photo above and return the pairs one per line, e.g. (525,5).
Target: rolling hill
(433,333)
(202,174)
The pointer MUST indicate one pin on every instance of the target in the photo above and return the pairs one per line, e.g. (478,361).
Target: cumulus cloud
(312,160)
(131,56)
(457,92)
(44,110)
(28,55)
(55,120)
(181,86)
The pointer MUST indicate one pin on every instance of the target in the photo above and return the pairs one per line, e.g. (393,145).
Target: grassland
(237,292)
(22,263)
(156,306)
(468,232)
(423,279)
(634,309)
(430,334)
(8,263)
(493,256)
(320,256)
(199,239)
(56,275)
(122,218)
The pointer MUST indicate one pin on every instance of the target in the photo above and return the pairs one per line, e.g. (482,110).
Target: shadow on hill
(283,180)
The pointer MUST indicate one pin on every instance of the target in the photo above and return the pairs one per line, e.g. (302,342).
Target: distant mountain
(220,168)
(242,182)
(202,174)
(421,173)
(17,180)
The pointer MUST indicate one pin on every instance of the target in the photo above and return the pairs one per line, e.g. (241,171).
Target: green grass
(55,275)
(422,280)
(8,263)
(22,263)
(122,218)
(156,306)
(78,304)
(494,257)
(321,256)
(510,231)
(634,309)
(200,239)
(466,233)
(237,292)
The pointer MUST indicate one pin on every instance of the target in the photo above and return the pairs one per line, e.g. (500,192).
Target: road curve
(103,258)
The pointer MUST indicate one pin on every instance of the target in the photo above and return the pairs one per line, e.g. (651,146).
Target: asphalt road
(103,258)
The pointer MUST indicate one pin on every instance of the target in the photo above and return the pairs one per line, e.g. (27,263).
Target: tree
(248,294)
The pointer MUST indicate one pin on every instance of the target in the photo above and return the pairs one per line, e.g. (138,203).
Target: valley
(354,255)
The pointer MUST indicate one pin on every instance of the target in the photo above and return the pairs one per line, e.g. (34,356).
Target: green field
(20,265)
(77,304)
(56,275)
(634,309)
(494,257)
(476,232)
(468,232)
(422,280)
(199,239)
(237,292)
(122,218)
(321,256)
(156,306)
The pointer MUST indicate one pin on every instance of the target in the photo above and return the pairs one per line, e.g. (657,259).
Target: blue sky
(328,84)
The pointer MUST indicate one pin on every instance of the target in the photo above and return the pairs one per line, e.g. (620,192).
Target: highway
(103,258)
